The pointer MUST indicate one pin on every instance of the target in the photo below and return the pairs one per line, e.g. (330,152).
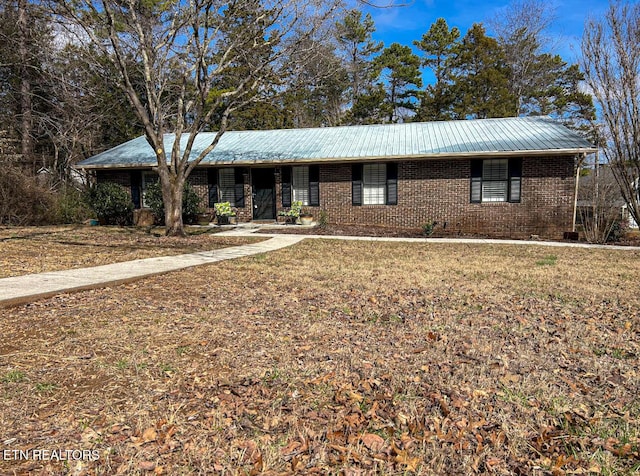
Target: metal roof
(514,136)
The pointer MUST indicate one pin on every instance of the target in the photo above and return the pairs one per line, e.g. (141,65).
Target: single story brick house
(510,177)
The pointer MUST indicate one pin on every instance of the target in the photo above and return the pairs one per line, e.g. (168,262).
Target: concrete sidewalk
(30,287)
(251,231)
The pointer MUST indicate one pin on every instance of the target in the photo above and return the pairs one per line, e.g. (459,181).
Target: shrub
(617,232)
(72,206)
(190,202)
(323,219)
(24,201)
(427,228)
(111,204)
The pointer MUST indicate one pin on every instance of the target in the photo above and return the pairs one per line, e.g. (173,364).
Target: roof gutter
(337,160)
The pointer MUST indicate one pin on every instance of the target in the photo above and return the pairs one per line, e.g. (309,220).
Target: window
(374,181)
(148,178)
(374,184)
(227,185)
(496,180)
(300,184)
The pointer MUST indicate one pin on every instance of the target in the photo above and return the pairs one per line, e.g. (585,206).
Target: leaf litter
(338,358)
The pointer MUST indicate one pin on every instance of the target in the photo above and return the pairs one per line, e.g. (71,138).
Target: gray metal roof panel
(426,139)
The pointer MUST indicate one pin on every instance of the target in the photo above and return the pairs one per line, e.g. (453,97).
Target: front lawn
(26,250)
(335,357)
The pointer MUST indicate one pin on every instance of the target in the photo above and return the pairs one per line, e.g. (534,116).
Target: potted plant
(306,217)
(292,215)
(204,219)
(224,212)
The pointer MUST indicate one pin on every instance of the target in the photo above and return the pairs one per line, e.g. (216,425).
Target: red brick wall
(435,190)
(440,190)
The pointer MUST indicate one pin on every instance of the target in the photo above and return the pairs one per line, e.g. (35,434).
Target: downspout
(575,193)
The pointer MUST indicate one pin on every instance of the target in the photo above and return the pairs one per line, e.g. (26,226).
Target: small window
(374,181)
(227,185)
(496,180)
(148,178)
(300,184)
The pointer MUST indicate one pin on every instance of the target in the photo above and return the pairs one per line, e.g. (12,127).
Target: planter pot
(204,219)
(306,219)
(226,220)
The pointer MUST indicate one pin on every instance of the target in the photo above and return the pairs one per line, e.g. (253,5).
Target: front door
(264,194)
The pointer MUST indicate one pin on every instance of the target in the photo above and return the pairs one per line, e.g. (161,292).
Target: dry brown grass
(338,358)
(26,250)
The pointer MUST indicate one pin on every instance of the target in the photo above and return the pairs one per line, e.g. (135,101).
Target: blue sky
(405,24)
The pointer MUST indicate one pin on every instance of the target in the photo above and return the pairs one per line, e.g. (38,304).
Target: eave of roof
(288,161)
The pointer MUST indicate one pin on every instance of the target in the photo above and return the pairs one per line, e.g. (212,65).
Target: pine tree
(400,72)
(357,47)
(439,45)
(481,78)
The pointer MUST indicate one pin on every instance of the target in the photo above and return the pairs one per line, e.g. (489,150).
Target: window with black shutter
(285,176)
(212,183)
(356,184)
(303,184)
(314,185)
(392,184)
(239,187)
(496,180)
(136,186)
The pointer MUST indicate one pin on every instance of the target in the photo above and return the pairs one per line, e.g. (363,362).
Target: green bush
(111,204)
(429,227)
(190,202)
(72,206)
(618,231)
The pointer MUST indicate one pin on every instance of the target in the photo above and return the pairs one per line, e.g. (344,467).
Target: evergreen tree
(481,78)
(357,48)
(439,44)
(399,69)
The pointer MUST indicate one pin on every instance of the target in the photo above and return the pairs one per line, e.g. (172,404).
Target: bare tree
(611,62)
(188,54)
(520,29)
(599,202)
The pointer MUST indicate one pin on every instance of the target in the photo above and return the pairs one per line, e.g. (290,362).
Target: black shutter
(392,184)
(212,182)
(136,185)
(314,185)
(285,175)
(476,181)
(356,184)
(515,179)
(239,186)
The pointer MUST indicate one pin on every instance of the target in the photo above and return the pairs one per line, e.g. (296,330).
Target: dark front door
(264,194)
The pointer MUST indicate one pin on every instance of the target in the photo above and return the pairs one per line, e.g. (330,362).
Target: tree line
(81,76)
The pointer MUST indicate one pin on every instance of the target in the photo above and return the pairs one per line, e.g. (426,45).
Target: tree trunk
(172,196)
(25,86)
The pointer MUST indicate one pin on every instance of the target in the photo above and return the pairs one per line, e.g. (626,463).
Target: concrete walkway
(30,287)
(251,231)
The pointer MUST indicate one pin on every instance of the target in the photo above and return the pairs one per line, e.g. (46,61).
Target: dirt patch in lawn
(28,250)
(337,358)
